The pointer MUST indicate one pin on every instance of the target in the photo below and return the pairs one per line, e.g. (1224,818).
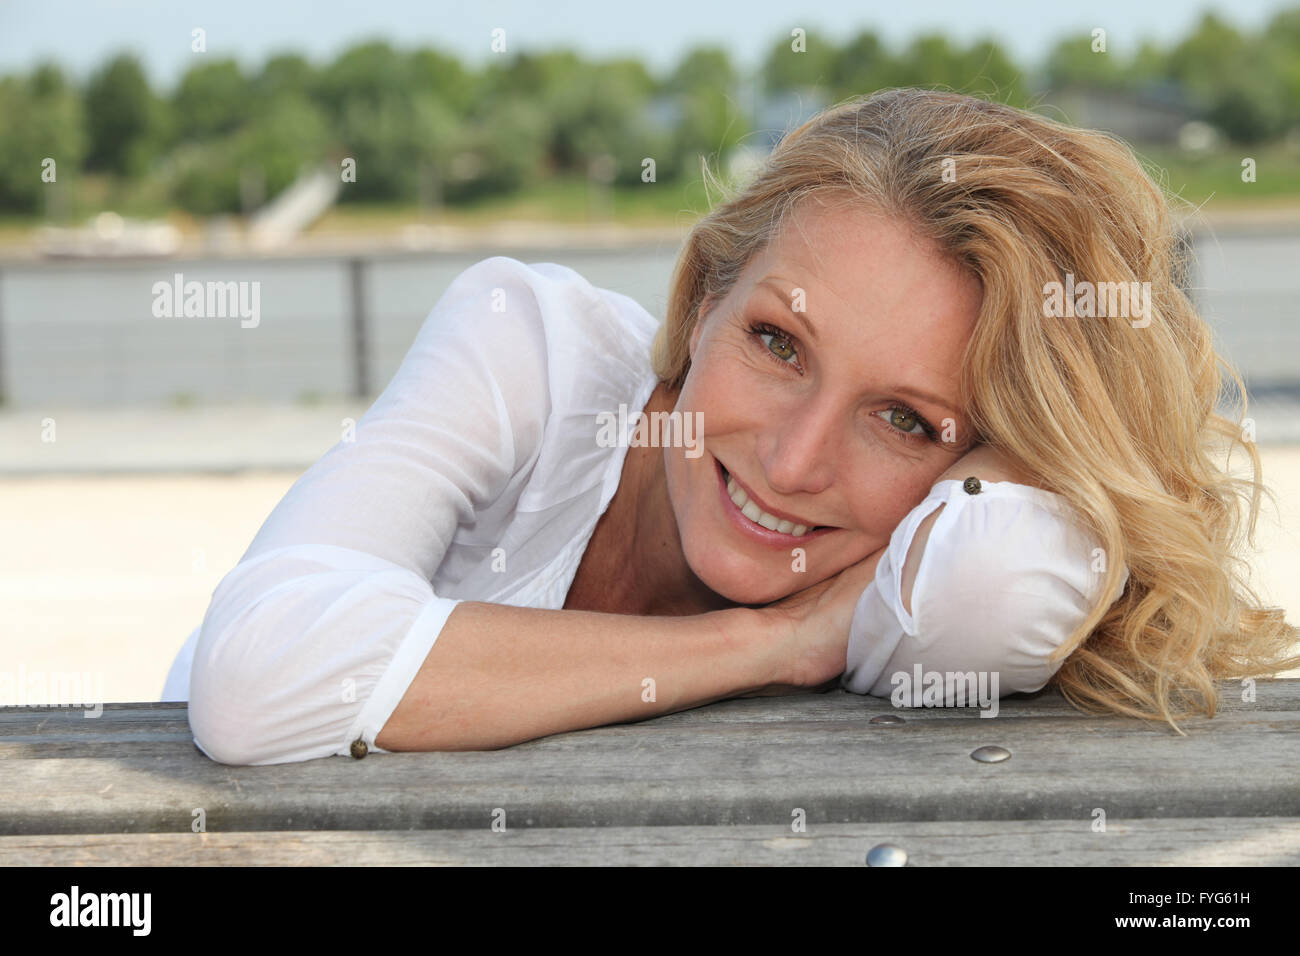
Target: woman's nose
(799,448)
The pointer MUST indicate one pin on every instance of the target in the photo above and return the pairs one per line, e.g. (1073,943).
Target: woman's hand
(815,622)
(813,625)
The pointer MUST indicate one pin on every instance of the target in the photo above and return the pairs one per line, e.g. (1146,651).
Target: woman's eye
(905,421)
(778,345)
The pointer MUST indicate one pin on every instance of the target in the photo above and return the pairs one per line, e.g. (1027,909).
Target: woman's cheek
(884,503)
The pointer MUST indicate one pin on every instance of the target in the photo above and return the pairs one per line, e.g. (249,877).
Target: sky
(80,34)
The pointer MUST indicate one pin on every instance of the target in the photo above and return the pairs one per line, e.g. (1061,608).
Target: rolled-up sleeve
(1005,577)
(310,642)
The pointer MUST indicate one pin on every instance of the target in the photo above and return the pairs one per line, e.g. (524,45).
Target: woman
(861,367)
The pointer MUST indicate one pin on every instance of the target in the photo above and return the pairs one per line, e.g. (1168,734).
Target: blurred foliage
(702,95)
(123,118)
(268,153)
(424,128)
(1228,75)
(786,69)
(40,117)
(864,63)
(211,101)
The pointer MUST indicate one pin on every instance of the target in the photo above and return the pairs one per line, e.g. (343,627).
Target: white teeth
(758,516)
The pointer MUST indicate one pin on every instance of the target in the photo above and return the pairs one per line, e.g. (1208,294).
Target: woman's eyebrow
(925,396)
(776,287)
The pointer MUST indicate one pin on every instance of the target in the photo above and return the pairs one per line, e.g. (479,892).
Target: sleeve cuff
(401,671)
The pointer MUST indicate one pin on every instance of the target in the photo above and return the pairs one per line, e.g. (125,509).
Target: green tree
(703,68)
(442,75)
(785,68)
(40,117)
(530,74)
(864,65)
(704,89)
(587,109)
(594,111)
(1252,104)
(274,149)
(396,142)
(370,75)
(399,116)
(1238,81)
(1072,61)
(121,117)
(988,69)
(212,100)
(1282,37)
(1148,65)
(932,60)
(286,75)
(496,153)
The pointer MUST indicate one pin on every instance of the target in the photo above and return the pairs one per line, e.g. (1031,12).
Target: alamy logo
(24,688)
(656,430)
(946,689)
(1124,300)
(208,300)
(102,909)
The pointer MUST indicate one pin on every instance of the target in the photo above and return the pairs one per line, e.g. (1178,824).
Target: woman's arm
(329,634)
(500,675)
(990,579)
(311,640)
(980,462)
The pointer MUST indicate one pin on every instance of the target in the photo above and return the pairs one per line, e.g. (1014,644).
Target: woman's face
(827,387)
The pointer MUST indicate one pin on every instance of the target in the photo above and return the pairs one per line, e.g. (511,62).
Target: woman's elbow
(239,710)
(225,727)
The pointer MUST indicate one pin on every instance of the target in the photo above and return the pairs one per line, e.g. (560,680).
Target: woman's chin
(748,587)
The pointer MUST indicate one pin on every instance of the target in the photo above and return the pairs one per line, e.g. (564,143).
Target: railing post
(4,398)
(357,280)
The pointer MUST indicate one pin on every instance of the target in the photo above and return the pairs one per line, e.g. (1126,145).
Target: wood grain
(747,762)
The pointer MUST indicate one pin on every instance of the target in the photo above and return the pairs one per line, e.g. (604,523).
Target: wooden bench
(723,784)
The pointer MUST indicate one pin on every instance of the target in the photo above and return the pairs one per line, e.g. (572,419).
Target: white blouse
(1007,573)
(478,474)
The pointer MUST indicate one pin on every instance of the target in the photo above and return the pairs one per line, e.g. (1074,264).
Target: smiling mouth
(758,516)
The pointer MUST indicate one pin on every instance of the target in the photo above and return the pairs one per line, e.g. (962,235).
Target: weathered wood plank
(759,760)
(169,718)
(1235,842)
(68,738)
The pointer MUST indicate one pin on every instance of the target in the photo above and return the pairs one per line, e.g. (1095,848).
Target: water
(1248,288)
(83,333)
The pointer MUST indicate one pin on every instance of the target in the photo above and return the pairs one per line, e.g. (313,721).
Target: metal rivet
(971,486)
(886,854)
(990,754)
(359,748)
(886,719)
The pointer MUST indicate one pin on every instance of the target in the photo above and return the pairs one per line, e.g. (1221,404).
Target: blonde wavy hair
(1120,420)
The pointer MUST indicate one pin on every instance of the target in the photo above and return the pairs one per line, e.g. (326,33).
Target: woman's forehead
(854,270)
(872,302)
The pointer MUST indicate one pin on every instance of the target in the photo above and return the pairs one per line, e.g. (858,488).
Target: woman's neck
(634,563)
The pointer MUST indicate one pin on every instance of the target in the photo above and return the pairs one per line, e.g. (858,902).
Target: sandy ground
(106,576)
